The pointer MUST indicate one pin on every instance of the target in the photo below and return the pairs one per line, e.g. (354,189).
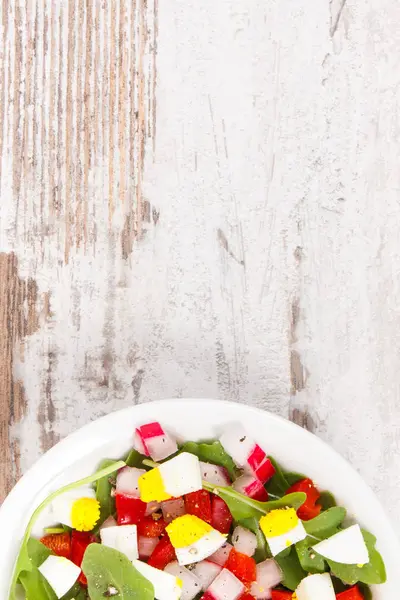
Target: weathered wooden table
(201,199)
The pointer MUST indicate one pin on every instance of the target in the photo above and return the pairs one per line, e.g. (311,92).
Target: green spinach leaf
(24,563)
(326,523)
(373,572)
(278,484)
(310,561)
(108,570)
(291,569)
(33,582)
(103,493)
(292,477)
(243,507)
(327,500)
(135,459)
(212,452)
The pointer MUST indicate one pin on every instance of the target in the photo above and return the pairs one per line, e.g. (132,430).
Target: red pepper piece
(80,540)
(150,527)
(162,554)
(247,596)
(281,595)
(310,508)
(129,510)
(58,543)
(199,504)
(243,566)
(221,518)
(352,593)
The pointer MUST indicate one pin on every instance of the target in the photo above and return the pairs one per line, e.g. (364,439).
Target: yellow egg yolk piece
(187,530)
(152,487)
(85,513)
(278,522)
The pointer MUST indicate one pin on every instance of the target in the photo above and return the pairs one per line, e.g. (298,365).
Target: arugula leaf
(106,568)
(326,522)
(103,493)
(135,459)
(211,452)
(310,561)
(372,573)
(326,500)
(278,484)
(291,569)
(262,551)
(33,582)
(243,507)
(24,562)
(292,477)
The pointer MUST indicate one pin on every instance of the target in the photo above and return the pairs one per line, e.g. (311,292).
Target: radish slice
(172,509)
(221,556)
(268,576)
(127,481)
(251,487)
(246,453)
(225,587)
(146,546)
(214,474)
(191,585)
(206,571)
(152,507)
(244,541)
(152,440)
(109,522)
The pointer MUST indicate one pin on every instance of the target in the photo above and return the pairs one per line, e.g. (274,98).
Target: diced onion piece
(226,586)
(244,540)
(127,481)
(191,584)
(146,546)
(206,571)
(269,575)
(221,556)
(214,474)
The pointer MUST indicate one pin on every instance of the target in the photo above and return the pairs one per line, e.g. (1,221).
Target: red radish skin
(146,546)
(221,518)
(172,509)
(260,465)
(251,487)
(151,440)
(221,556)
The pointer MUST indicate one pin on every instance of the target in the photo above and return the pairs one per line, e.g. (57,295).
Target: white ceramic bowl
(111,436)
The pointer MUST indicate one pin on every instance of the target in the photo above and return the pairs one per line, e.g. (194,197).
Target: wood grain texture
(201,199)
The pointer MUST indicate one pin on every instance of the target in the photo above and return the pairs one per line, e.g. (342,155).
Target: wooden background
(201,199)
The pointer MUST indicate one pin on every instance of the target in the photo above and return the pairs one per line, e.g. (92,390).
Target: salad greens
(24,562)
(110,573)
(212,452)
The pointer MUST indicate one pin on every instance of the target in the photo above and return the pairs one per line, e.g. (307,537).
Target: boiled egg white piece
(347,547)
(193,539)
(122,538)
(166,586)
(316,587)
(60,573)
(172,479)
(282,528)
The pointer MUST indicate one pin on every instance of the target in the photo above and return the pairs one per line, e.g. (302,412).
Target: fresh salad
(218,520)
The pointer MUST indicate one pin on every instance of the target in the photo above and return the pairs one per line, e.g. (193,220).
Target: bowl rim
(91,431)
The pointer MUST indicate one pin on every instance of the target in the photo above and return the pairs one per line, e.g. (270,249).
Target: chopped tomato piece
(151,527)
(310,508)
(247,596)
(199,504)
(352,593)
(162,554)
(58,543)
(80,540)
(243,566)
(129,510)
(221,518)
(281,595)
